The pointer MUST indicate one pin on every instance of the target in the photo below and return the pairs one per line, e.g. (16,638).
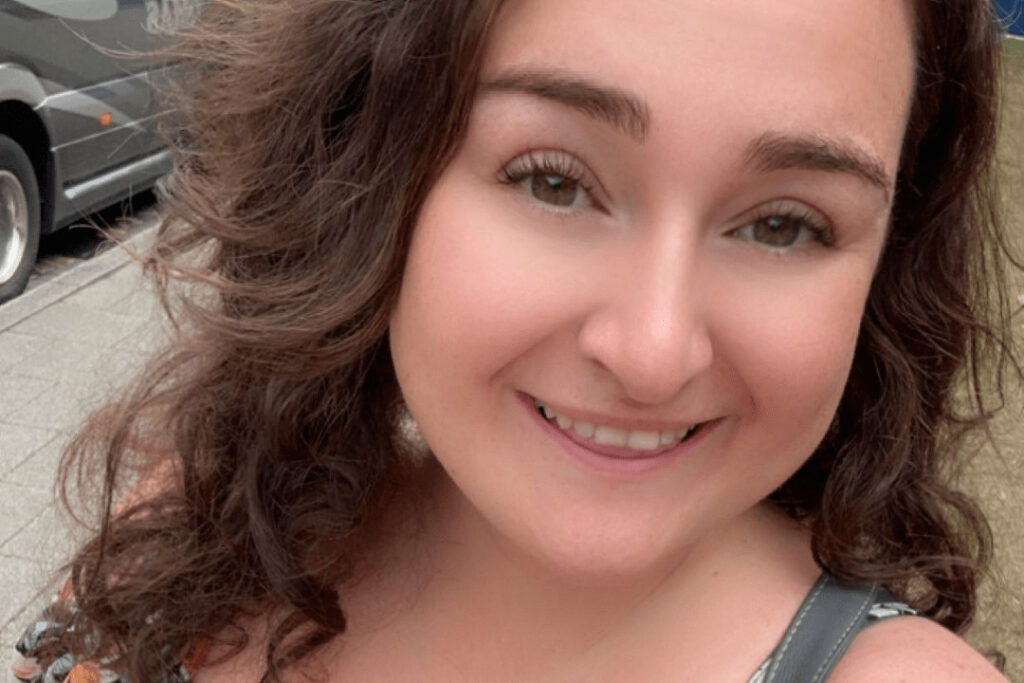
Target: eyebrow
(778,151)
(621,109)
(629,113)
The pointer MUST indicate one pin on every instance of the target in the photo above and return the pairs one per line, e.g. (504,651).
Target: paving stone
(140,299)
(17,509)
(38,471)
(47,541)
(20,578)
(62,347)
(122,362)
(131,278)
(18,443)
(62,404)
(116,366)
(150,339)
(102,294)
(19,352)
(17,390)
(70,360)
(64,320)
(29,303)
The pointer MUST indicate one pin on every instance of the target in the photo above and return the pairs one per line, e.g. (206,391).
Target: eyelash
(550,162)
(564,165)
(820,228)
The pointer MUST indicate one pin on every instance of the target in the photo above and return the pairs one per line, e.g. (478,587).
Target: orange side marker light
(106,118)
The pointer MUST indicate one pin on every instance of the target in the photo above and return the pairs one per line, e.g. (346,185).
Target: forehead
(842,68)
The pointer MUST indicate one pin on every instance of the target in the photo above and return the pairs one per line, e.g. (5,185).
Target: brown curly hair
(307,136)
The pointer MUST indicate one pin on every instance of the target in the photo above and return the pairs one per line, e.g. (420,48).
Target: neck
(539,608)
(456,579)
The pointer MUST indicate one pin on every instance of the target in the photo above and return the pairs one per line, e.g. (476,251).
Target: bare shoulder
(912,649)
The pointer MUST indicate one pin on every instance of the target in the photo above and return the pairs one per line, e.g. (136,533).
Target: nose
(650,331)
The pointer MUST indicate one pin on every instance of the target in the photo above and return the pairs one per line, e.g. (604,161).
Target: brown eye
(553,179)
(778,231)
(554,189)
(785,225)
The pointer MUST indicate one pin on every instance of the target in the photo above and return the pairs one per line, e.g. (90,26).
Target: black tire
(19,218)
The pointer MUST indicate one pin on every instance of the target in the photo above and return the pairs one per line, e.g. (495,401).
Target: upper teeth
(603,435)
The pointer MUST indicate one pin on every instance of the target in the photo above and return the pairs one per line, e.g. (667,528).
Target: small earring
(410,437)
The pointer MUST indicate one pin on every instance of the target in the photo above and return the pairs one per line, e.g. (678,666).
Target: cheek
(793,340)
(467,300)
(481,285)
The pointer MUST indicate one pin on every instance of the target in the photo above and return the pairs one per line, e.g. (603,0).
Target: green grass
(1013,48)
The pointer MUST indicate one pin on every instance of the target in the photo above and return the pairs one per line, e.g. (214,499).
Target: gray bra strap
(828,620)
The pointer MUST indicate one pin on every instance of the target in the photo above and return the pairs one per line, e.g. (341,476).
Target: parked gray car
(77,124)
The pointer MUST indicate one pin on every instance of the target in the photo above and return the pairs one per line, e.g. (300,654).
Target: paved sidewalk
(63,346)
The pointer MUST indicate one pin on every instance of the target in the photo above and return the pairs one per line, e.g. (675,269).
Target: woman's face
(662,225)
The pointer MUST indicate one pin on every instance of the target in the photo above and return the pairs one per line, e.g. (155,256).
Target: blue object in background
(1011,13)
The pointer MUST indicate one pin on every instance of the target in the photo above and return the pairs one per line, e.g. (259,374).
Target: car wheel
(19,218)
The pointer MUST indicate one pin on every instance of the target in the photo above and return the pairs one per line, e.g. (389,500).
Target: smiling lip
(614,460)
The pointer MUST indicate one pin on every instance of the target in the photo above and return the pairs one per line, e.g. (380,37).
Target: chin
(605,549)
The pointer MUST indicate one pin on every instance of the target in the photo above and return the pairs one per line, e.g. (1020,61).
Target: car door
(91,57)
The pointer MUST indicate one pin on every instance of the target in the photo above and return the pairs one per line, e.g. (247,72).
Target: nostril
(652,354)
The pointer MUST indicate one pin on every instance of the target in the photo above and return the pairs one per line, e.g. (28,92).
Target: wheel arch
(22,124)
